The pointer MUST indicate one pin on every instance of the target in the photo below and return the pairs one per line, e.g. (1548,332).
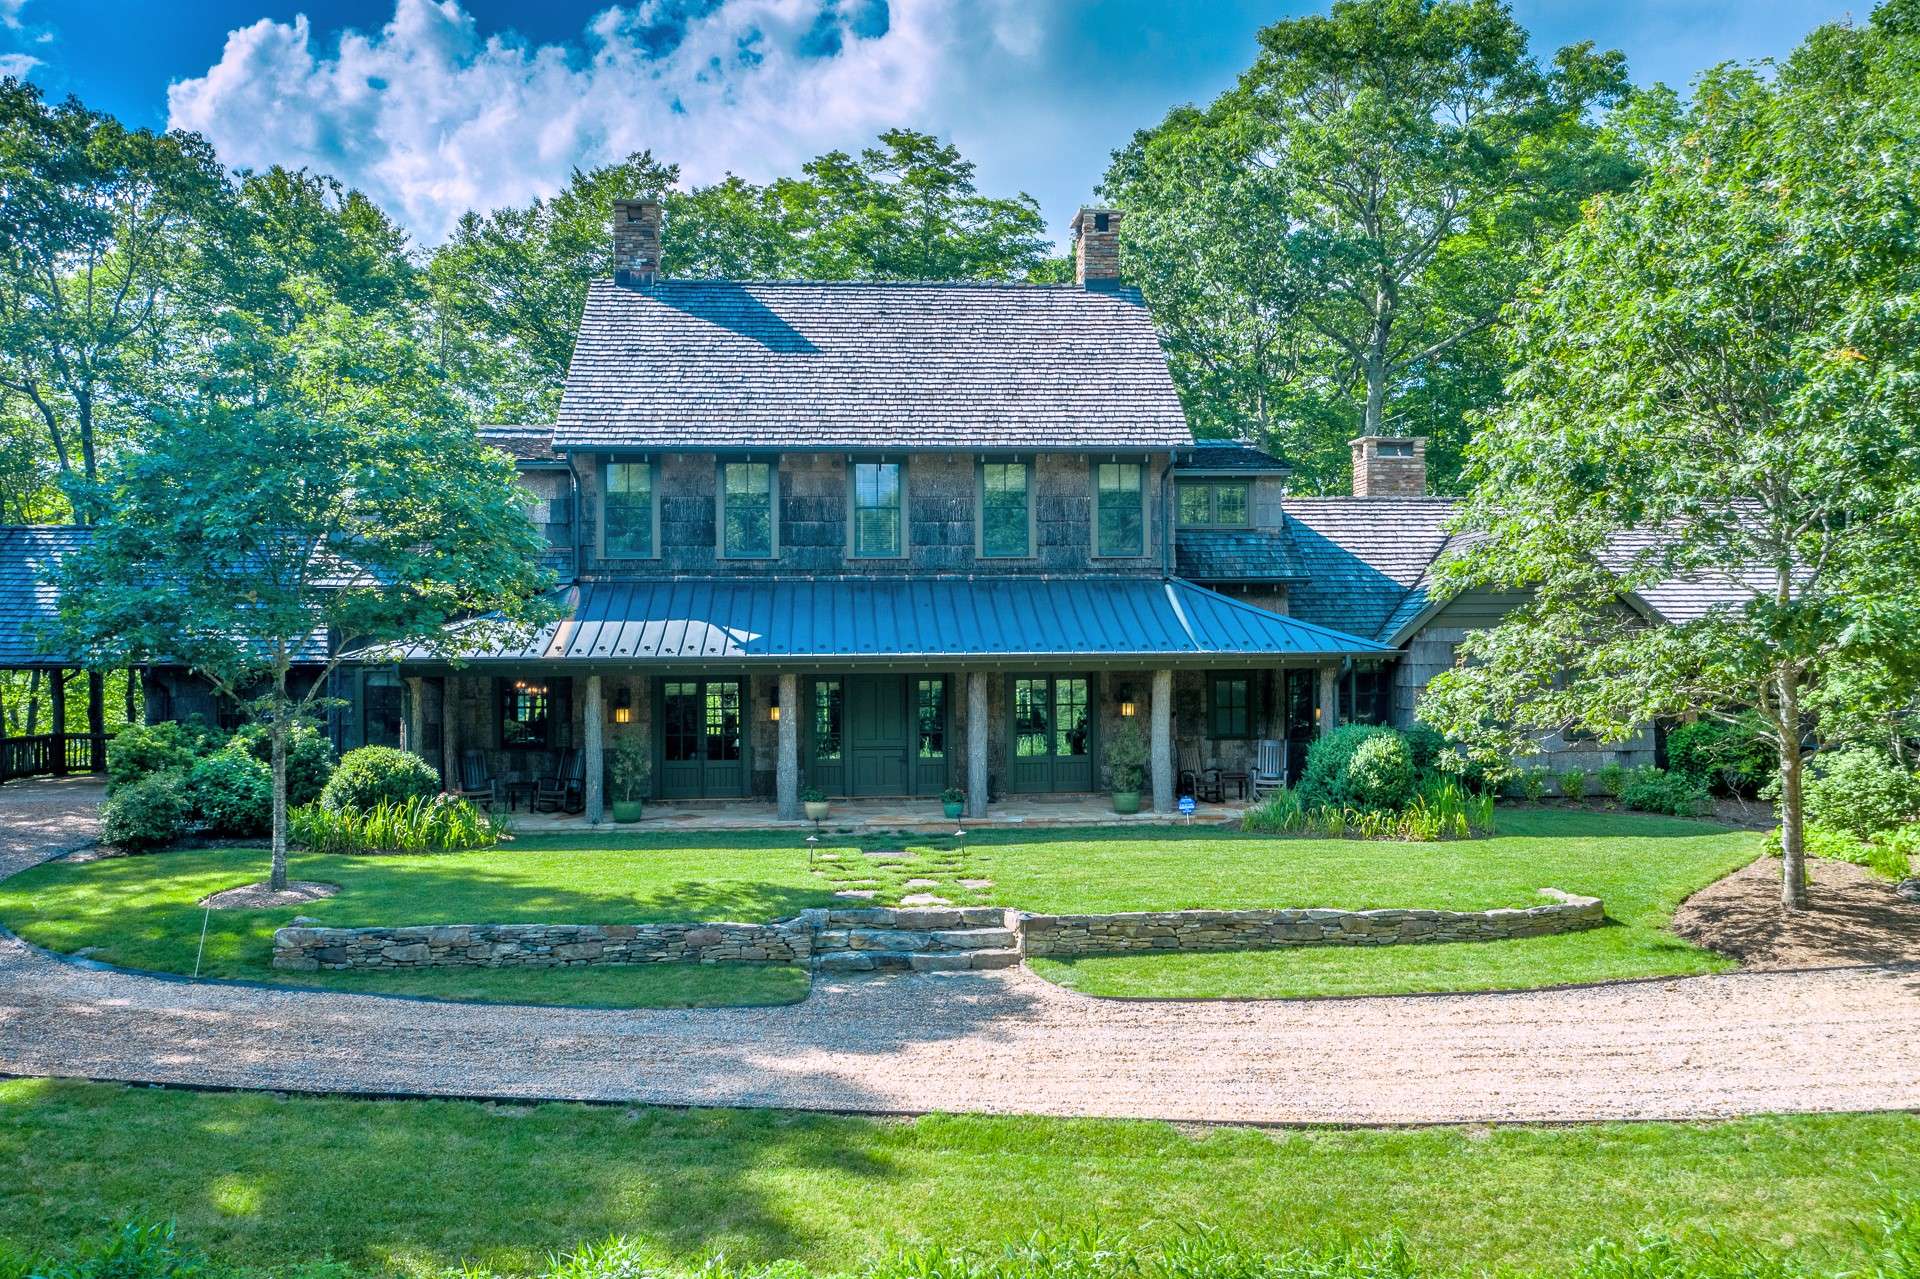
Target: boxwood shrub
(148,813)
(231,793)
(310,759)
(375,774)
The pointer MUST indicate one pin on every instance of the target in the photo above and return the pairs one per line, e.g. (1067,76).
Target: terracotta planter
(816,810)
(626,810)
(1126,801)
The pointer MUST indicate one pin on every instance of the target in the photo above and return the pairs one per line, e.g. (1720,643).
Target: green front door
(701,739)
(1052,719)
(876,735)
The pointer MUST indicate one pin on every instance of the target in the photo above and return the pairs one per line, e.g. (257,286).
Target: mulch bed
(260,897)
(1856,918)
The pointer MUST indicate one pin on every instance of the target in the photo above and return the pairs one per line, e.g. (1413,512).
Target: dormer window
(1213,504)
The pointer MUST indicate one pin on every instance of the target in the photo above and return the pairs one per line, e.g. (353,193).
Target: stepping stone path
(888,854)
(924,899)
(976,883)
(858,892)
(921,883)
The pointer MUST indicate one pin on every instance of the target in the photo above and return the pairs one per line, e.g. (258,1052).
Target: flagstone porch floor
(1036,811)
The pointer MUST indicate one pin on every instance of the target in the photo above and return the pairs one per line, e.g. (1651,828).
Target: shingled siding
(941,509)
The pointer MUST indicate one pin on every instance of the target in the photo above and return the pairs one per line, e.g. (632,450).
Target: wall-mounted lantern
(1128,707)
(623,706)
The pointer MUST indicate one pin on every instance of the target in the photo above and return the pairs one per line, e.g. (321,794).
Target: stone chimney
(636,242)
(1096,249)
(1389,466)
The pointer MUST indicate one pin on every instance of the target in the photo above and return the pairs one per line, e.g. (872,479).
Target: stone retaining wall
(1272,929)
(542,945)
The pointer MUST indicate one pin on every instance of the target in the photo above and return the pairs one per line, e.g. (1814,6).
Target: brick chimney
(1096,249)
(636,241)
(1389,466)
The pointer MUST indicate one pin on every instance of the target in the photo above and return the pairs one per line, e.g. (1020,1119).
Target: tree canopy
(1326,242)
(1717,381)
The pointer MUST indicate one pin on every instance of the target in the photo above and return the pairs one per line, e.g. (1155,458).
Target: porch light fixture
(773,712)
(623,706)
(1126,709)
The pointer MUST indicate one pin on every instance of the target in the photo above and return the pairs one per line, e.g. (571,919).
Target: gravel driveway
(1008,1042)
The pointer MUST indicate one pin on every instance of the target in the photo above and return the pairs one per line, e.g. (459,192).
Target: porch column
(59,725)
(1329,700)
(1160,748)
(595,721)
(449,734)
(415,725)
(786,775)
(977,732)
(96,722)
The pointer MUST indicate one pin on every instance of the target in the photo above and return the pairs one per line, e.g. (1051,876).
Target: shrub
(231,793)
(1380,774)
(148,813)
(1441,810)
(1862,791)
(310,759)
(1427,746)
(1573,784)
(1656,790)
(1730,756)
(1325,781)
(629,769)
(1889,855)
(421,824)
(141,750)
(378,774)
(1126,759)
(1526,783)
(1612,779)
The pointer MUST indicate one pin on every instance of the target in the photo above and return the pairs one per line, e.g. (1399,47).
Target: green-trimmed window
(930,709)
(1006,512)
(746,509)
(877,509)
(826,719)
(1070,722)
(1121,513)
(1229,706)
(629,510)
(529,714)
(1212,504)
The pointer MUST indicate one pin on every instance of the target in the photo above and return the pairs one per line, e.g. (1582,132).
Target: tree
(508,287)
(93,217)
(319,492)
(1716,381)
(1426,159)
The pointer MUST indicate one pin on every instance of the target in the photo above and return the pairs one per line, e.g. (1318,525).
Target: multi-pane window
(1032,729)
(1121,508)
(382,707)
(877,509)
(1230,706)
(1005,521)
(723,720)
(826,719)
(629,510)
(930,712)
(681,722)
(746,509)
(1366,695)
(1212,504)
(526,714)
(1070,728)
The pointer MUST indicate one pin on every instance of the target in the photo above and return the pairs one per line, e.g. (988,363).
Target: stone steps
(925,939)
(938,961)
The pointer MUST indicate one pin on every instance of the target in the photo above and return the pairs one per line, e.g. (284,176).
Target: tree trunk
(133,707)
(1793,826)
(278,880)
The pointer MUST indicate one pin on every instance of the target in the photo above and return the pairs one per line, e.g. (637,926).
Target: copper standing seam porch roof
(957,621)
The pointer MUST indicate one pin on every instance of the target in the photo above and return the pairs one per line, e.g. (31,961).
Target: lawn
(415,1188)
(142,912)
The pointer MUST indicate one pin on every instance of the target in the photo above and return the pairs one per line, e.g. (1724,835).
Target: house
(887,539)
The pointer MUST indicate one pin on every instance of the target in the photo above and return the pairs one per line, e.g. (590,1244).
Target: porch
(1032,812)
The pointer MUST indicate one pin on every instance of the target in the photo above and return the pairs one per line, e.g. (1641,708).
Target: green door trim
(1064,774)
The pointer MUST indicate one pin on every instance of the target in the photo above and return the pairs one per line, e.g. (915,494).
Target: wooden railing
(50,754)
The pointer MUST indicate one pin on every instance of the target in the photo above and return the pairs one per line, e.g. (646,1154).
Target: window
(723,721)
(1032,734)
(877,491)
(629,510)
(527,715)
(826,719)
(1070,729)
(1006,512)
(1121,515)
(1212,504)
(381,709)
(681,728)
(1366,694)
(930,713)
(746,509)
(1229,706)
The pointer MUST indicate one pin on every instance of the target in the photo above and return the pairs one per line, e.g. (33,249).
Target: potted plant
(815,801)
(1126,768)
(953,801)
(631,767)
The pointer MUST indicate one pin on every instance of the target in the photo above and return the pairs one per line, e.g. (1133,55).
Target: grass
(142,912)
(413,1188)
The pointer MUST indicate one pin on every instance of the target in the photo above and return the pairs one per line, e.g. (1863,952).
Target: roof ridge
(1008,285)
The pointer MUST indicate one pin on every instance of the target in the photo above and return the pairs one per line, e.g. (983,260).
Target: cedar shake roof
(1236,555)
(521,443)
(713,364)
(1363,556)
(27,600)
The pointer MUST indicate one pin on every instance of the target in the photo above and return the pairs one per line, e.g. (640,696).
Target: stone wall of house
(1060,935)
(541,945)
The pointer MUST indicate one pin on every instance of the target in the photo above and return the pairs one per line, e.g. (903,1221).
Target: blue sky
(437,105)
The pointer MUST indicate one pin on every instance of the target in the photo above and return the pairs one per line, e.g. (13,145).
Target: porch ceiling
(798,623)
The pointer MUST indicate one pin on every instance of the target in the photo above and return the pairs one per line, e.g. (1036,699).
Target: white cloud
(10,13)
(17,64)
(431,117)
